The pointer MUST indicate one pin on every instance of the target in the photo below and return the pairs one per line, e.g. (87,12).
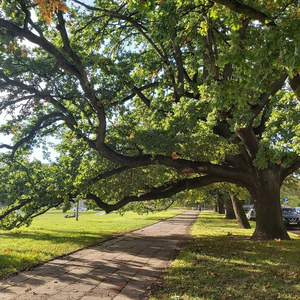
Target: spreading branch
(55,116)
(265,97)
(136,91)
(166,191)
(247,10)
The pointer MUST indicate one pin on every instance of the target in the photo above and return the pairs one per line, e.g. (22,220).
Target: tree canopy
(150,98)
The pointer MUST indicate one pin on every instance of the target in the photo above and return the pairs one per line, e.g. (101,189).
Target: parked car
(247,207)
(290,216)
(251,214)
(79,209)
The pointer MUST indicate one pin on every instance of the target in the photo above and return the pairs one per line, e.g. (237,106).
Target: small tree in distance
(152,98)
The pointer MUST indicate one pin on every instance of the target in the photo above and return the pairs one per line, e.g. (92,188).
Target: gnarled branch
(247,10)
(33,131)
(165,191)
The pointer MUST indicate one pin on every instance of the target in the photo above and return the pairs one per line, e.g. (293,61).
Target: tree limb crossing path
(121,268)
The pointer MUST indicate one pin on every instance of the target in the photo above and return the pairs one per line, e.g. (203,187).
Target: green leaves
(138,94)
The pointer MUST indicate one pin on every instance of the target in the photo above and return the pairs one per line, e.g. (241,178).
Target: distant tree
(239,212)
(151,98)
(229,211)
(291,190)
(220,203)
(227,197)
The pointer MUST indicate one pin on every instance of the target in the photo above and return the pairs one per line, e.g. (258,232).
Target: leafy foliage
(149,98)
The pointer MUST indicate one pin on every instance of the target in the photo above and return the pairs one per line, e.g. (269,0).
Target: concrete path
(122,268)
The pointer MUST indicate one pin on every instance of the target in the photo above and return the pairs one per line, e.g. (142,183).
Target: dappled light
(52,235)
(124,267)
(220,265)
(147,100)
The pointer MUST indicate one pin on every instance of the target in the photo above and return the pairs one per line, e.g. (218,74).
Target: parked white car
(251,214)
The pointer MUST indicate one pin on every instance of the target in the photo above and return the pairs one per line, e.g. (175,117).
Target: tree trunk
(239,212)
(266,197)
(220,204)
(229,209)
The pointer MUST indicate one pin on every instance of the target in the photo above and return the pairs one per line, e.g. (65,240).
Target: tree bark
(239,212)
(266,195)
(220,204)
(230,214)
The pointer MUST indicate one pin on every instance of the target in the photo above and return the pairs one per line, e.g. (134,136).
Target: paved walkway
(122,268)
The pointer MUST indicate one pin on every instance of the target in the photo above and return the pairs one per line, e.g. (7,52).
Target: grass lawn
(52,235)
(222,263)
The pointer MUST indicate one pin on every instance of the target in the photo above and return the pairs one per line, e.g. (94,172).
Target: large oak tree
(150,98)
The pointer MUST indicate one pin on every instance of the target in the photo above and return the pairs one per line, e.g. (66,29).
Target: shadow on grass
(30,249)
(41,245)
(231,266)
(58,237)
(137,257)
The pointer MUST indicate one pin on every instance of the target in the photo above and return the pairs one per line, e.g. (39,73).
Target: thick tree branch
(211,50)
(222,129)
(69,119)
(265,97)
(156,193)
(295,84)
(55,116)
(165,191)
(21,85)
(145,87)
(28,20)
(80,73)
(179,64)
(14,31)
(291,169)
(141,96)
(75,58)
(249,140)
(247,10)
(238,174)
(228,70)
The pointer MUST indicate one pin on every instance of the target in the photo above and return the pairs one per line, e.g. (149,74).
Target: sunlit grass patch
(223,263)
(52,235)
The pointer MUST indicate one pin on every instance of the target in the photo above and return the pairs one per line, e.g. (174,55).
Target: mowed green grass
(223,263)
(52,235)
